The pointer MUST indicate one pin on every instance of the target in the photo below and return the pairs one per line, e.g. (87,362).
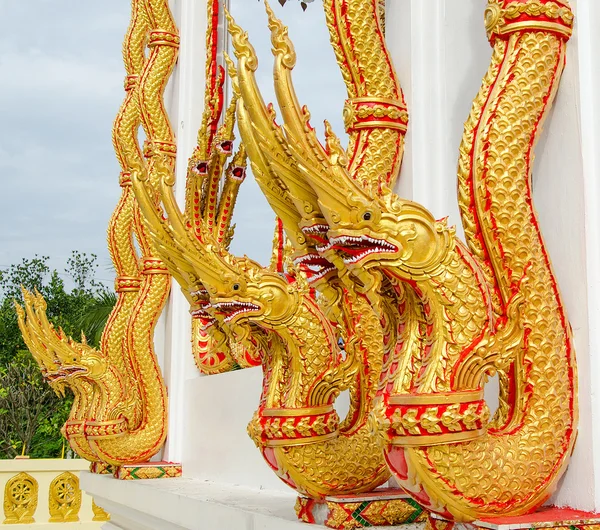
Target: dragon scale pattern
(514,468)
(120,407)
(370,295)
(548,364)
(375,152)
(459,317)
(146,437)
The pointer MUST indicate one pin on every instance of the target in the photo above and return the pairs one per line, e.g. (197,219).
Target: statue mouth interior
(354,248)
(65,371)
(230,310)
(314,266)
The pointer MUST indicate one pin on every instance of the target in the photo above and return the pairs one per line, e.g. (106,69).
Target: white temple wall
(589,116)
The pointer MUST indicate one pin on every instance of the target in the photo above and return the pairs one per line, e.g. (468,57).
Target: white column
(589,64)
(185,101)
(441,53)
(587,332)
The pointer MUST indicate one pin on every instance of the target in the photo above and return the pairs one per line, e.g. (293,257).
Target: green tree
(30,414)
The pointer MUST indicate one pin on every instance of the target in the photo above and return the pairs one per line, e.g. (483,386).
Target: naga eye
(236,286)
(367,216)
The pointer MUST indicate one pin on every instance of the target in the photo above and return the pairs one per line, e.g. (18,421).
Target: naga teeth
(379,243)
(199,313)
(220,305)
(242,307)
(320,275)
(316,229)
(325,248)
(307,257)
(358,257)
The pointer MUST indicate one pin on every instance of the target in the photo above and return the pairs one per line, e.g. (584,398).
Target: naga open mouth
(231,310)
(72,370)
(201,168)
(317,232)
(238,173)
(206,319)
(314,266)
(355,248)
(63,373)
(53,377)
(201,306)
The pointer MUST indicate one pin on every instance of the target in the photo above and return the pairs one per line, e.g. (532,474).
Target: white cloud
(37,74)
(62,86)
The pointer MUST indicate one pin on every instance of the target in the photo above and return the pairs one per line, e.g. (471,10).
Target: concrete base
(184,503)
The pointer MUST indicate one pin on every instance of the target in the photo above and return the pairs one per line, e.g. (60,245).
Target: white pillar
(587,452)
(185,102)
(440,53)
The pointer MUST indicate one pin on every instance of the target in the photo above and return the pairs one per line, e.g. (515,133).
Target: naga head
(273,164)
(374,227)
(312,258)
(246,293)
(63,362)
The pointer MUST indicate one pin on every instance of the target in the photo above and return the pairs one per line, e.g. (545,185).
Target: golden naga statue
(367,292)
(460,314)
(274,314)
(119,414)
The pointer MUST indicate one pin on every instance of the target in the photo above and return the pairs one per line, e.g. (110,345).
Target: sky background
(61,87)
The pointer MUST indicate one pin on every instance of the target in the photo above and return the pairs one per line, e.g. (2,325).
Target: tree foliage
(30,414)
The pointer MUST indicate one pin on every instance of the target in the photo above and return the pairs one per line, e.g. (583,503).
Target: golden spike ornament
(119,414)
(465,313)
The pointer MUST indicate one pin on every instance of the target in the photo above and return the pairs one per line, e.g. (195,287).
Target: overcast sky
(62,79)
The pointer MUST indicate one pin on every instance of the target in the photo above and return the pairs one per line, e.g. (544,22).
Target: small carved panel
(64,499)
(99,513)
(20,499)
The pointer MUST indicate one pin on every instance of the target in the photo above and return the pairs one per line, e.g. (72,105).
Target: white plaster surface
(589,106)
(191,504)
(217,447)
(184,503)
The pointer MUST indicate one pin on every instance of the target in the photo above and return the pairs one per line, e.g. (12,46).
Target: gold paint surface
(20,499)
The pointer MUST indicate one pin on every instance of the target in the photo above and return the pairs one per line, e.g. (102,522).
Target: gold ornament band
(374,112)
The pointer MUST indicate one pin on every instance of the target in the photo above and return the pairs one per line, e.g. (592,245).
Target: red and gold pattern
(101,468)
(287,427)
(455,315)
(436,418)
(212,186)
(273,312)
(423,319)
(384,507)
(119,414)
(152,470)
